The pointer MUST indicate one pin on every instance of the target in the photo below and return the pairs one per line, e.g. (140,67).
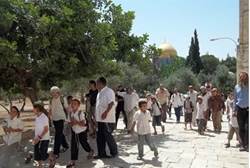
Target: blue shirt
(241,95)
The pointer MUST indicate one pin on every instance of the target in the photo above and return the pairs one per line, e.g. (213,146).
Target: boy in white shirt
(200,118)
(232,119)
(141,119)
(13,127)
(41,139)
(156,114)
(79,132)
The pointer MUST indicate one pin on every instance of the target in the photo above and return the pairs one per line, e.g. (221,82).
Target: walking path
(178,148)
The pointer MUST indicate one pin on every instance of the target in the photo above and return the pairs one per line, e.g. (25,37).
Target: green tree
(181,79)
(193,59)
(223,79)
(210,63)
(230,62)
(43,43)
(176,64)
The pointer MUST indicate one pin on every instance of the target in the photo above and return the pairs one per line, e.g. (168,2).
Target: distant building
(168,52)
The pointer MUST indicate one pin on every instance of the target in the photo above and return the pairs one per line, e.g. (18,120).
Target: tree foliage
(193,59)
(210,63)
(43,43)
(181,79)
(223,79)
(230,62)
(176,64)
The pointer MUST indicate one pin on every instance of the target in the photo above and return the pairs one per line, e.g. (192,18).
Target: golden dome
(167,50)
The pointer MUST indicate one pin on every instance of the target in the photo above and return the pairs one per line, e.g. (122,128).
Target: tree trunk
(24,102)
(31,93)
(5,108)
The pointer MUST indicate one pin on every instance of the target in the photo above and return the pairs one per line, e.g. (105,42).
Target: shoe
(139,158)
(90,155)
(28,159)
(242,149)
(63,150)
(70,165)
(155,133)
(227,145)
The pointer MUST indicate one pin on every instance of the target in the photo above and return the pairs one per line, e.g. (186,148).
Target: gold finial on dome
(167,50)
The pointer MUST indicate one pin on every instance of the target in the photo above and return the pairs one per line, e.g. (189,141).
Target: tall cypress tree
(194,60)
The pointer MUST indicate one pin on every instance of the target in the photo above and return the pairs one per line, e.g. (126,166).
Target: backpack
(79,117)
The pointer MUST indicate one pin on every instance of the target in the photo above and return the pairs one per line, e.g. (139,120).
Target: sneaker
(242,149)
(227,145)
(139,158)
(90,155)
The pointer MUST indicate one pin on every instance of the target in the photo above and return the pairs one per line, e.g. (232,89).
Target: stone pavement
(177,148)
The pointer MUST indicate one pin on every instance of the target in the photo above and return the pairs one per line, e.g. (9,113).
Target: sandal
(28,159)
(90,155)
(52,161)
(70,165)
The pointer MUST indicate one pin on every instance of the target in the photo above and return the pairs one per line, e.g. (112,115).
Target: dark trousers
(164,112)
(104,135)
(119,109)
(178,113)
(75,140)
(59,136)
(41,150)
(242,117)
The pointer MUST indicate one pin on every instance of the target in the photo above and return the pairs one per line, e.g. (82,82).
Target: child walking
(79,133)
(41,139)
(141,119)
(200,118)
(156,114)
(232,119)
(13,127)
(188,112)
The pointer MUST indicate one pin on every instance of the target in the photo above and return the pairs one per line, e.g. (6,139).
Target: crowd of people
(104,106)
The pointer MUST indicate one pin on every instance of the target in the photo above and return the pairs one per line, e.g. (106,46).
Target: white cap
(54,89)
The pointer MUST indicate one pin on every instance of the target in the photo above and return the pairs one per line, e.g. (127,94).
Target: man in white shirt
(176,100)
(193,97)
(131,99)
(105,118)
(162,95)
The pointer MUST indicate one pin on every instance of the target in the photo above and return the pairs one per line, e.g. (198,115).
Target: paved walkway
(177,149)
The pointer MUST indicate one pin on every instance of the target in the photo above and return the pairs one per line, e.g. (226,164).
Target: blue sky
(174,21)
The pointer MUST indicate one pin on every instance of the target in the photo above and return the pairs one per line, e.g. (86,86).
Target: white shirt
(162,95)
(13,137)
(78,116)
(200,111)
(149,104)
(205,100)
(155,109)
(193,96)
(57,109)
(142,122)
(104,98)
(232,119)
(176,100)
(40,123)
(130,100)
